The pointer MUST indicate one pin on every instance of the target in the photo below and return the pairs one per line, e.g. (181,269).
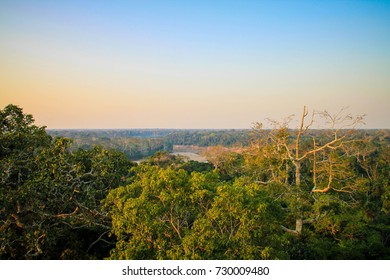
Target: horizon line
(157,128)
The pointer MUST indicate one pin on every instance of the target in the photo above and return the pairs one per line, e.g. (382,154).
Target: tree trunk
(298,225)
(297,165)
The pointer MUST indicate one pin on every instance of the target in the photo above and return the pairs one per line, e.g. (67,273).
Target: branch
(330,180)
(342,190)
(302,130)
(97,240)
(264,182)
(6,224)
(172,223)
(314,164)
(290,230)
(17,221)
(288,153)
(68,215)
(327,145)
(322,191)
(304,114)
(37,247)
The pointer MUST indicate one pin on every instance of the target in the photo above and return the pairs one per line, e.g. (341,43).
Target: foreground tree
(20,140)
(170,214)
(239,224)
(50,196)
(306,163)
(152,215)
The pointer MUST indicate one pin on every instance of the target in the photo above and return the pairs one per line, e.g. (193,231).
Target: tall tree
(50,196)
(153,214)
(307,162)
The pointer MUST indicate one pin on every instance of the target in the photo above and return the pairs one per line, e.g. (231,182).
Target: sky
(193,64)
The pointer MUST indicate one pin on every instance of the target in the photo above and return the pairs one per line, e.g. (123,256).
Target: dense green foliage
(288,194)
(50,196)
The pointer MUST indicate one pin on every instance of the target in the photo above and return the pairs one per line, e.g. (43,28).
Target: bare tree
(320,153)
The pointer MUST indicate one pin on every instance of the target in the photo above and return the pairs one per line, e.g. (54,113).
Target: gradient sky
(193,64)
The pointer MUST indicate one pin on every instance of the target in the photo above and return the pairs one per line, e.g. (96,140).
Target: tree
(306,163)
(50,196)
(20,140)
(152,215)
(170,214)
(239,224)
(226,162)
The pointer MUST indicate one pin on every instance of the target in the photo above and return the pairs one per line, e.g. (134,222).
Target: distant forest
(277,193)
(140,143)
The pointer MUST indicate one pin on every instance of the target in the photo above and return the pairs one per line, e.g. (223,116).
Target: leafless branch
(100,238)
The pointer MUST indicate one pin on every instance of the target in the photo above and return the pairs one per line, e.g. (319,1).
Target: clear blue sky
(193,64)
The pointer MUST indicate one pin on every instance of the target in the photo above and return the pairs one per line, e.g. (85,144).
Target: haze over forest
(193,64)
